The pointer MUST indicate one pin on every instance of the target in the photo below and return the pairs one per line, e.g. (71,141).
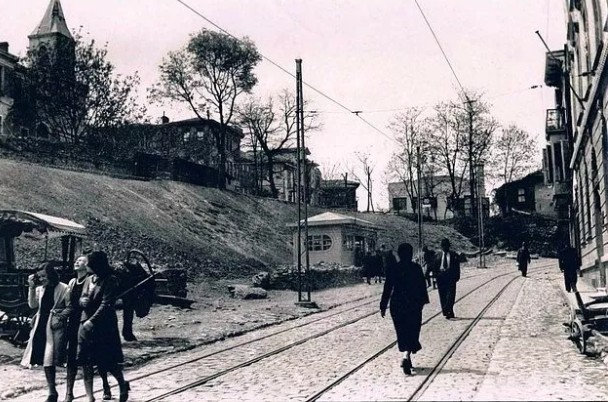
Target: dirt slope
(210,232)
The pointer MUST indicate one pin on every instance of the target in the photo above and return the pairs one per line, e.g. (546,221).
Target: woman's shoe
(406,364)
(124,392)
(107,395)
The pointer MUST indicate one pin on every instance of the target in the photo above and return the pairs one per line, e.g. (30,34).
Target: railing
(554,121)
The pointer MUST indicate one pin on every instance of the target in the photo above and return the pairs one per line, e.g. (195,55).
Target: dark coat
(429,259)
(100,345)
(569,261)
(452,273)
(523,257)
(405,288)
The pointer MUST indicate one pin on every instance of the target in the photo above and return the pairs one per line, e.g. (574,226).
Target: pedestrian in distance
(405,289)
(569,264)
(378,266)
(98,336)
(75,288)
(46,346)
(429,259)
(447,274)
(368,267)
(523,259)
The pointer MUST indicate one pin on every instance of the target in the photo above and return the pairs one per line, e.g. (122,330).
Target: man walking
(523,259)
(447,274)
(569,264)
(429,260)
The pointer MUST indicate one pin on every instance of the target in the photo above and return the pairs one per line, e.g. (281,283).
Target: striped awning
(13,223)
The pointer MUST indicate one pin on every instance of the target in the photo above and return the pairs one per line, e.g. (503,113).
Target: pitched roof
(332,218)
(53,21)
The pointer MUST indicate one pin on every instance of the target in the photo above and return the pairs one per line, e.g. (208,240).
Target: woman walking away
(46,346)
(405,288)
(75,288)
(98,336)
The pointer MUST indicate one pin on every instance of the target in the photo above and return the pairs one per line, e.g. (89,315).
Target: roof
(53,21)
(534,177)
(332,218)
(339,183)
(13,223)
(195,121)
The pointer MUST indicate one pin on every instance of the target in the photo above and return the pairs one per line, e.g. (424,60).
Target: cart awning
(13,223)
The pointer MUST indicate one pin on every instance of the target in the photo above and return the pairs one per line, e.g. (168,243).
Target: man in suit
(570,265)
(523,259)
(447,274)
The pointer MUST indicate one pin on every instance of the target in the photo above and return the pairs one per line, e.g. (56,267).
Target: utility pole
(420,242)
(471,171)
(302,188)
(482,258)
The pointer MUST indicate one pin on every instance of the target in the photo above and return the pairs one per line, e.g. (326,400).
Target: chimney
(164,119)
(4,47)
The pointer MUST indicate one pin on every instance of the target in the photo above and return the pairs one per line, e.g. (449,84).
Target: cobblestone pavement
(518,351)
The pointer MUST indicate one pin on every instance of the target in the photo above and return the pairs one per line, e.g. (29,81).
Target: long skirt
(408,321)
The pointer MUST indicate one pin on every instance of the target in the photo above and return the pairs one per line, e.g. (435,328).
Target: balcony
(554,68)
(554,123)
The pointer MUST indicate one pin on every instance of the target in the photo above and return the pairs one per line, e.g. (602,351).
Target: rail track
(203,380)
(372,300)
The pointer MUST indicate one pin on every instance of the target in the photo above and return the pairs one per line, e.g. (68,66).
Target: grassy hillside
(210,232)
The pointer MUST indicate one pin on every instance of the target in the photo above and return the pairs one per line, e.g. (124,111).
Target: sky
(376,57)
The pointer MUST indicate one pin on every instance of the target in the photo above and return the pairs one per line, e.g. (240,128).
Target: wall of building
(441,191)
(335,254)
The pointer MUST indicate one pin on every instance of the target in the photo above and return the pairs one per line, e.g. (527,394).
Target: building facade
(575,158)
(8,88)
(337,194)
(527,195)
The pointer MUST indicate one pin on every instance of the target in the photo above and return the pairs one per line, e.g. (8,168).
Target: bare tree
(513,154)
(363,174)
(410,130)
(274,129)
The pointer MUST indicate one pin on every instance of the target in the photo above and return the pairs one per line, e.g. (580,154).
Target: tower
(53,34)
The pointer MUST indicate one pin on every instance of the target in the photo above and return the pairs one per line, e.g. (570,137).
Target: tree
(411,131)
(274,129)
(73,93)
(364,176)
(214,68)
(513,154)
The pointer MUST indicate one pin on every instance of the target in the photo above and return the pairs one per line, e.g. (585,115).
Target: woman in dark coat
(405,288)
(98,336)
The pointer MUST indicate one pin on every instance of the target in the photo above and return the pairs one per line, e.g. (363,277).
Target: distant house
(285,169)
(191,140)
(526,195)
(435,198)
(8,87)
(337,238)
(338,194)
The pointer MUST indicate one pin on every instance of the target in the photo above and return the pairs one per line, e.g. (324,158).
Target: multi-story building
(527,195)
(8,87)
(338,194)
(576,158)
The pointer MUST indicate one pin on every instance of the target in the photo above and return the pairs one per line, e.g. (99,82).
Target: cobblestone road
(517,351)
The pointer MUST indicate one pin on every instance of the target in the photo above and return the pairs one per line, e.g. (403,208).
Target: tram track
(436,369)
(201,381)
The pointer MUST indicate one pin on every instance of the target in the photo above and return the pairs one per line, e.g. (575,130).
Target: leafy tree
(214,68)
(74,93)
(513,155)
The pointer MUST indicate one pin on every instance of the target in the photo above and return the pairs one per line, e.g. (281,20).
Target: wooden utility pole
(471,171)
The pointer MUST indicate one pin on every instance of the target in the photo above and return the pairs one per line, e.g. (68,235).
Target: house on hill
(526,195)
(338,194)
(337,238)
(9,85)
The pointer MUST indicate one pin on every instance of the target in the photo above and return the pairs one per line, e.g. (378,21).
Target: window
(349,243)
(400,204)
(319,243)
(521,195)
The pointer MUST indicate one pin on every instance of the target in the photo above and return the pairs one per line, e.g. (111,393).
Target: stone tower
(54,35)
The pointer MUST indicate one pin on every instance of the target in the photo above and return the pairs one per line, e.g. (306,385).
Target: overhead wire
(354,112)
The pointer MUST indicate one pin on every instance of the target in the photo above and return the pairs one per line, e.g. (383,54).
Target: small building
(529,194)
(339,194)
(336,238)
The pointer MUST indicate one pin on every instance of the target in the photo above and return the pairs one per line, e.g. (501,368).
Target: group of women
(76,325)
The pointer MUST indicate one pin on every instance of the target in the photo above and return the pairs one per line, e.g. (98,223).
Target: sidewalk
(597,341)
